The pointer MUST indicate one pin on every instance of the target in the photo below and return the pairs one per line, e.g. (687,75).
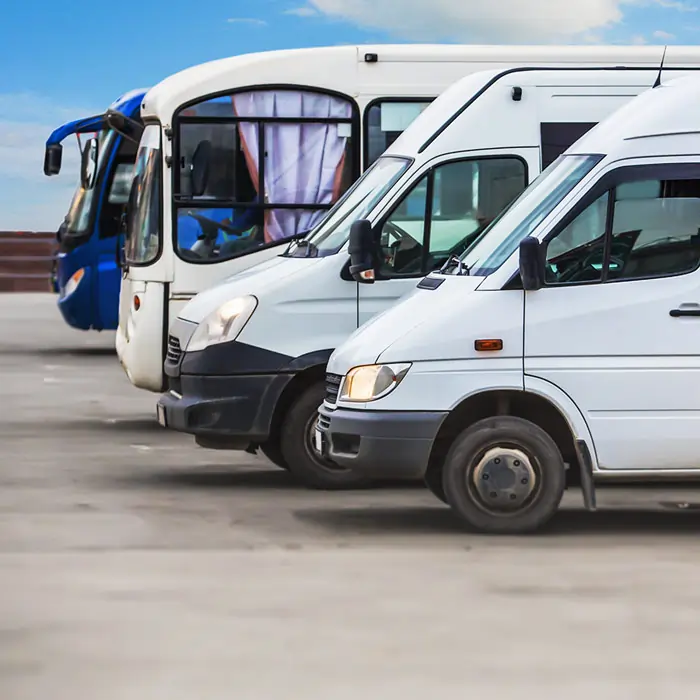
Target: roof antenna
(657,82)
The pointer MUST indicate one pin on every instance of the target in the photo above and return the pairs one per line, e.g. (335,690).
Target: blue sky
(60,64)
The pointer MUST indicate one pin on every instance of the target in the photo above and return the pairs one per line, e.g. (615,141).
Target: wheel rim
(504,480)
(314,454)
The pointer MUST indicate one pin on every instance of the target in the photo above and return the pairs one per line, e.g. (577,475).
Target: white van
(247,359)
(565,345)
(239,155)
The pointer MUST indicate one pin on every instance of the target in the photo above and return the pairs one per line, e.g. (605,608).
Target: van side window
(655,229)
(651,230)
(577,252)
(444,213)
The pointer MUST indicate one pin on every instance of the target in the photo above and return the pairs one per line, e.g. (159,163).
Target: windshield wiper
(309,248)
(453,261)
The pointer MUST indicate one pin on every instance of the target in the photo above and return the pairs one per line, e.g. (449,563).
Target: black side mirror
(129,128)
(88,164)
(52,159)
(531,267)
(199,169)
(362,252)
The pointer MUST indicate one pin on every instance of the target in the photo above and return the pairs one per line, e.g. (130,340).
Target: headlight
(371,382)
(73,282)
(223,324)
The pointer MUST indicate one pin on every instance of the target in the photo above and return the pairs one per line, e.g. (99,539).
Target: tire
(272,451)
(433,481)
(298,452)
(504,475)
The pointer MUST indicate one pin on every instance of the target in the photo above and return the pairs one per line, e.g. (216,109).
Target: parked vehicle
(561,348)
(223,183)
(247,359)
(86,275)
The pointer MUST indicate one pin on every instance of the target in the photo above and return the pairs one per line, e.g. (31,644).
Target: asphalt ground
(134,564)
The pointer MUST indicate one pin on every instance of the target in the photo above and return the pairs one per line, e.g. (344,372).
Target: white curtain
(303,161)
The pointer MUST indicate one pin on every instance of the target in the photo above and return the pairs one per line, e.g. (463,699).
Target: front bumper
(380,444)
(238,408)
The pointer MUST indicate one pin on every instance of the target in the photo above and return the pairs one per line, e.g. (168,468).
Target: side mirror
(88,164)
(199,169)
(52,159)
(531,267)
(362,252)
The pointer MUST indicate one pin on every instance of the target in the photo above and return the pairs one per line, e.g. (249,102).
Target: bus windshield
(143,234)
(334,231)
(78,221)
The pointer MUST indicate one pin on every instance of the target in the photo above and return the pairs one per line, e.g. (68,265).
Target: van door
(617,324)
(440,216)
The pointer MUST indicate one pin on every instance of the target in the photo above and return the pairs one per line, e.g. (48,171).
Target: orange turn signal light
(137,302)
(488,345)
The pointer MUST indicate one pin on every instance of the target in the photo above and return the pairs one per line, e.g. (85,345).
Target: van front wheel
(504,475)
(298,449)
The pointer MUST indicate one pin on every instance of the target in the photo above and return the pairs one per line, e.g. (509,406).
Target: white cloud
(305,11)
(664,36)
(494,21)
(30,200)
(247,20)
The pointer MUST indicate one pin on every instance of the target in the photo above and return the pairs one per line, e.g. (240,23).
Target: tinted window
(651,230)
(446,211)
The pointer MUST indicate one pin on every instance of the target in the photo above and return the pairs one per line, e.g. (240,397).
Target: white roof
(661,121)
(339,63)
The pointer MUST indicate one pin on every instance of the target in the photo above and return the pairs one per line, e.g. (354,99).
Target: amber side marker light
(488,345)
(137,303)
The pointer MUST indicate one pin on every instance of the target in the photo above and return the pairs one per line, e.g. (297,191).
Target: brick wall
(25,261)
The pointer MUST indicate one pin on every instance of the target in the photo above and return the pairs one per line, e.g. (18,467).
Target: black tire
(433,481)
(525,496)
(296,447)
(272,451)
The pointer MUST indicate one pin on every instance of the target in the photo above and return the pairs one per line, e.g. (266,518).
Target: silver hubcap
(504,479)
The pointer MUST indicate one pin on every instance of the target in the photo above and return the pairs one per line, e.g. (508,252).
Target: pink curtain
(303,162)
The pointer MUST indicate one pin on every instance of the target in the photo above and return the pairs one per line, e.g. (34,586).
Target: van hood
(257,280)
(373,341)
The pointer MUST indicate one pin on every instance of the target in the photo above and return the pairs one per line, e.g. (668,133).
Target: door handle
(685,310)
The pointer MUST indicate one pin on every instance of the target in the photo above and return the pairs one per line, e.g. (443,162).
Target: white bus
(247,358)
(241,154)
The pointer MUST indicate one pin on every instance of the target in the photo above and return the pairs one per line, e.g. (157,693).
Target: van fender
(569,410)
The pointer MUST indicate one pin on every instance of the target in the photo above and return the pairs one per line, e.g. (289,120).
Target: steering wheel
(617,257)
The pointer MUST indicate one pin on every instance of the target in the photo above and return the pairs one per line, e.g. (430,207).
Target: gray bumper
(380,444)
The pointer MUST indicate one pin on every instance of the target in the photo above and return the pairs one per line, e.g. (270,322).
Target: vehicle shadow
(260,475)
(668,519)
(61,352)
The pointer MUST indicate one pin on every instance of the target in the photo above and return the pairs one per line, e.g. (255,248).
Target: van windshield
(333,232)
(502,238)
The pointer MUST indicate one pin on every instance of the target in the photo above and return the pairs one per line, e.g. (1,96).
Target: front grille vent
(173,353)
(332,387)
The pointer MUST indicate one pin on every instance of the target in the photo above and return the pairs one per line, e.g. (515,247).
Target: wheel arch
(538,403)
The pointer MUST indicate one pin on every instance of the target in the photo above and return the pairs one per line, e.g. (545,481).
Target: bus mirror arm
(531,264)
(362,249)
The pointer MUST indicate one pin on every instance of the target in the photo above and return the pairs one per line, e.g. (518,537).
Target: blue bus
(86,274)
